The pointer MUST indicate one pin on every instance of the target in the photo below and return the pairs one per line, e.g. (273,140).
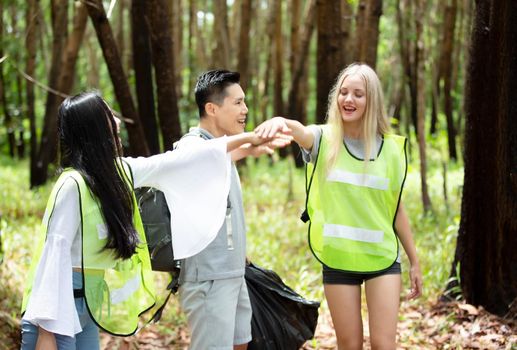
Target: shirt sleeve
(309,156)
(195,179)
(51,304)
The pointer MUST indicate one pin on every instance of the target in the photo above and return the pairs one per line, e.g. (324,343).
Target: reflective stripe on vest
(352,207)
(117,292)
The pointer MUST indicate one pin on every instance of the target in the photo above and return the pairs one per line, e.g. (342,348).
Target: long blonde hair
(375,119)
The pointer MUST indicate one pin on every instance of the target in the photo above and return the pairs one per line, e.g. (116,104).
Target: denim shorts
(333,276)
(88,339)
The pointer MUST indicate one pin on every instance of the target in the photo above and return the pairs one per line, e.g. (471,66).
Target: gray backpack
(157,223)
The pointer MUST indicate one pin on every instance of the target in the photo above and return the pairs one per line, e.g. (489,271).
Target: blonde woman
(355,174)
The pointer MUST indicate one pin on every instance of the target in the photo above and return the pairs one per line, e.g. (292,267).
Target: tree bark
(8,120)
(447,63)
(367,31)
(48,146)
(221,53)
(330,58)
(278,100)
(164,61)
(297,106)
(176,24)
(144,74)
(405,30)
(32,23)
(244,44)
(486,244)
(137,144)
(420,73)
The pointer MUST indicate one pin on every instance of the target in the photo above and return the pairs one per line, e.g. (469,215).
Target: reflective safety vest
(117,292)
(352,207)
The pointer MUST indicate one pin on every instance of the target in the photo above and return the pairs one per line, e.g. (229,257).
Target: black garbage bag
(282,319)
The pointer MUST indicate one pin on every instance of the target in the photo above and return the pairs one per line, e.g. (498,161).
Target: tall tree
(421,110)
(297,106)
(32,23)
(446,68)
(163,61)
(406,45)
(8,121)
(367,31)
(330,58)
(48,146)
(221,52)
(243,54)
(142,66)
(176,22)
(278,100)
(137,143)
(485,250)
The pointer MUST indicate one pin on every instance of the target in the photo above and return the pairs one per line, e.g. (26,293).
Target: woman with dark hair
(91,269)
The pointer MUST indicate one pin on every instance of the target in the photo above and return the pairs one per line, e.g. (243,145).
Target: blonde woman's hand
(271,127)
(415,277)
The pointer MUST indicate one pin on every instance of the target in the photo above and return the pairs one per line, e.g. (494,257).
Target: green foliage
(274,198)
(21,211)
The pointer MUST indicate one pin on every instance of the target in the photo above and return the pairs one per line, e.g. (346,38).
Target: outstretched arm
(300,133)
(406,238)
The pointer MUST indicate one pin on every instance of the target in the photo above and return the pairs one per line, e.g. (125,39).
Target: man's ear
(210,108)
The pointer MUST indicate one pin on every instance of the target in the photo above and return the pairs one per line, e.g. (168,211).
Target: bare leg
(345,308)
(240,347)
(382,297)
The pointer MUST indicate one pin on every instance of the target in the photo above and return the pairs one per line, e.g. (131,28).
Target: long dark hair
(90,145)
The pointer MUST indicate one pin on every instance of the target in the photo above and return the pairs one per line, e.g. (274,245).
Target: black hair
(211,87)
(90,145)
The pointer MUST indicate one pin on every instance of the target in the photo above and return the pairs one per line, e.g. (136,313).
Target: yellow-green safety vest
(352,207)
(117,292)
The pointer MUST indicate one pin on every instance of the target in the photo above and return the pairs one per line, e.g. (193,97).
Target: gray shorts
(218,313)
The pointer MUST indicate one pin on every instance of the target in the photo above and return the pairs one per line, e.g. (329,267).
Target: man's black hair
(211,87)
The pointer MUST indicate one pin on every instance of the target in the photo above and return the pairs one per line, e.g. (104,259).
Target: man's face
(230,116)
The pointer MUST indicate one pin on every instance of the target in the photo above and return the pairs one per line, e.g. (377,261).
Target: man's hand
(278,140)
(269,147)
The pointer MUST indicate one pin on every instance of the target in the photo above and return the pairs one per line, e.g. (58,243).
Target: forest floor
(453,325)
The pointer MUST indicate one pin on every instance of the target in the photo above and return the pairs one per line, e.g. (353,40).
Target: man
(213,292)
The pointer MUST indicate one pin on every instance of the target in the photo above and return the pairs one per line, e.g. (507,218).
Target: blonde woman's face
(352,100)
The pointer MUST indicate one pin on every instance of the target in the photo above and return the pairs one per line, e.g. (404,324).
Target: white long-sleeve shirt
(195,181)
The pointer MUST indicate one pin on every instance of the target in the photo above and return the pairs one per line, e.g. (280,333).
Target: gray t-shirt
(225,256)
(354,146)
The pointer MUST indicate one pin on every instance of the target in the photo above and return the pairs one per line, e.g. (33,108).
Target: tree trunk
(420,73)
(221,54)
(144,74)
(244,44)
(486,245)
(32,23)
(330,58)
(278,100)
(367,31)
(48,147)
(360,30)
(405,31)
(297,105)
(163,61)
(448,40)
(176,23)
(191,50)
(137,144)
(8,121)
